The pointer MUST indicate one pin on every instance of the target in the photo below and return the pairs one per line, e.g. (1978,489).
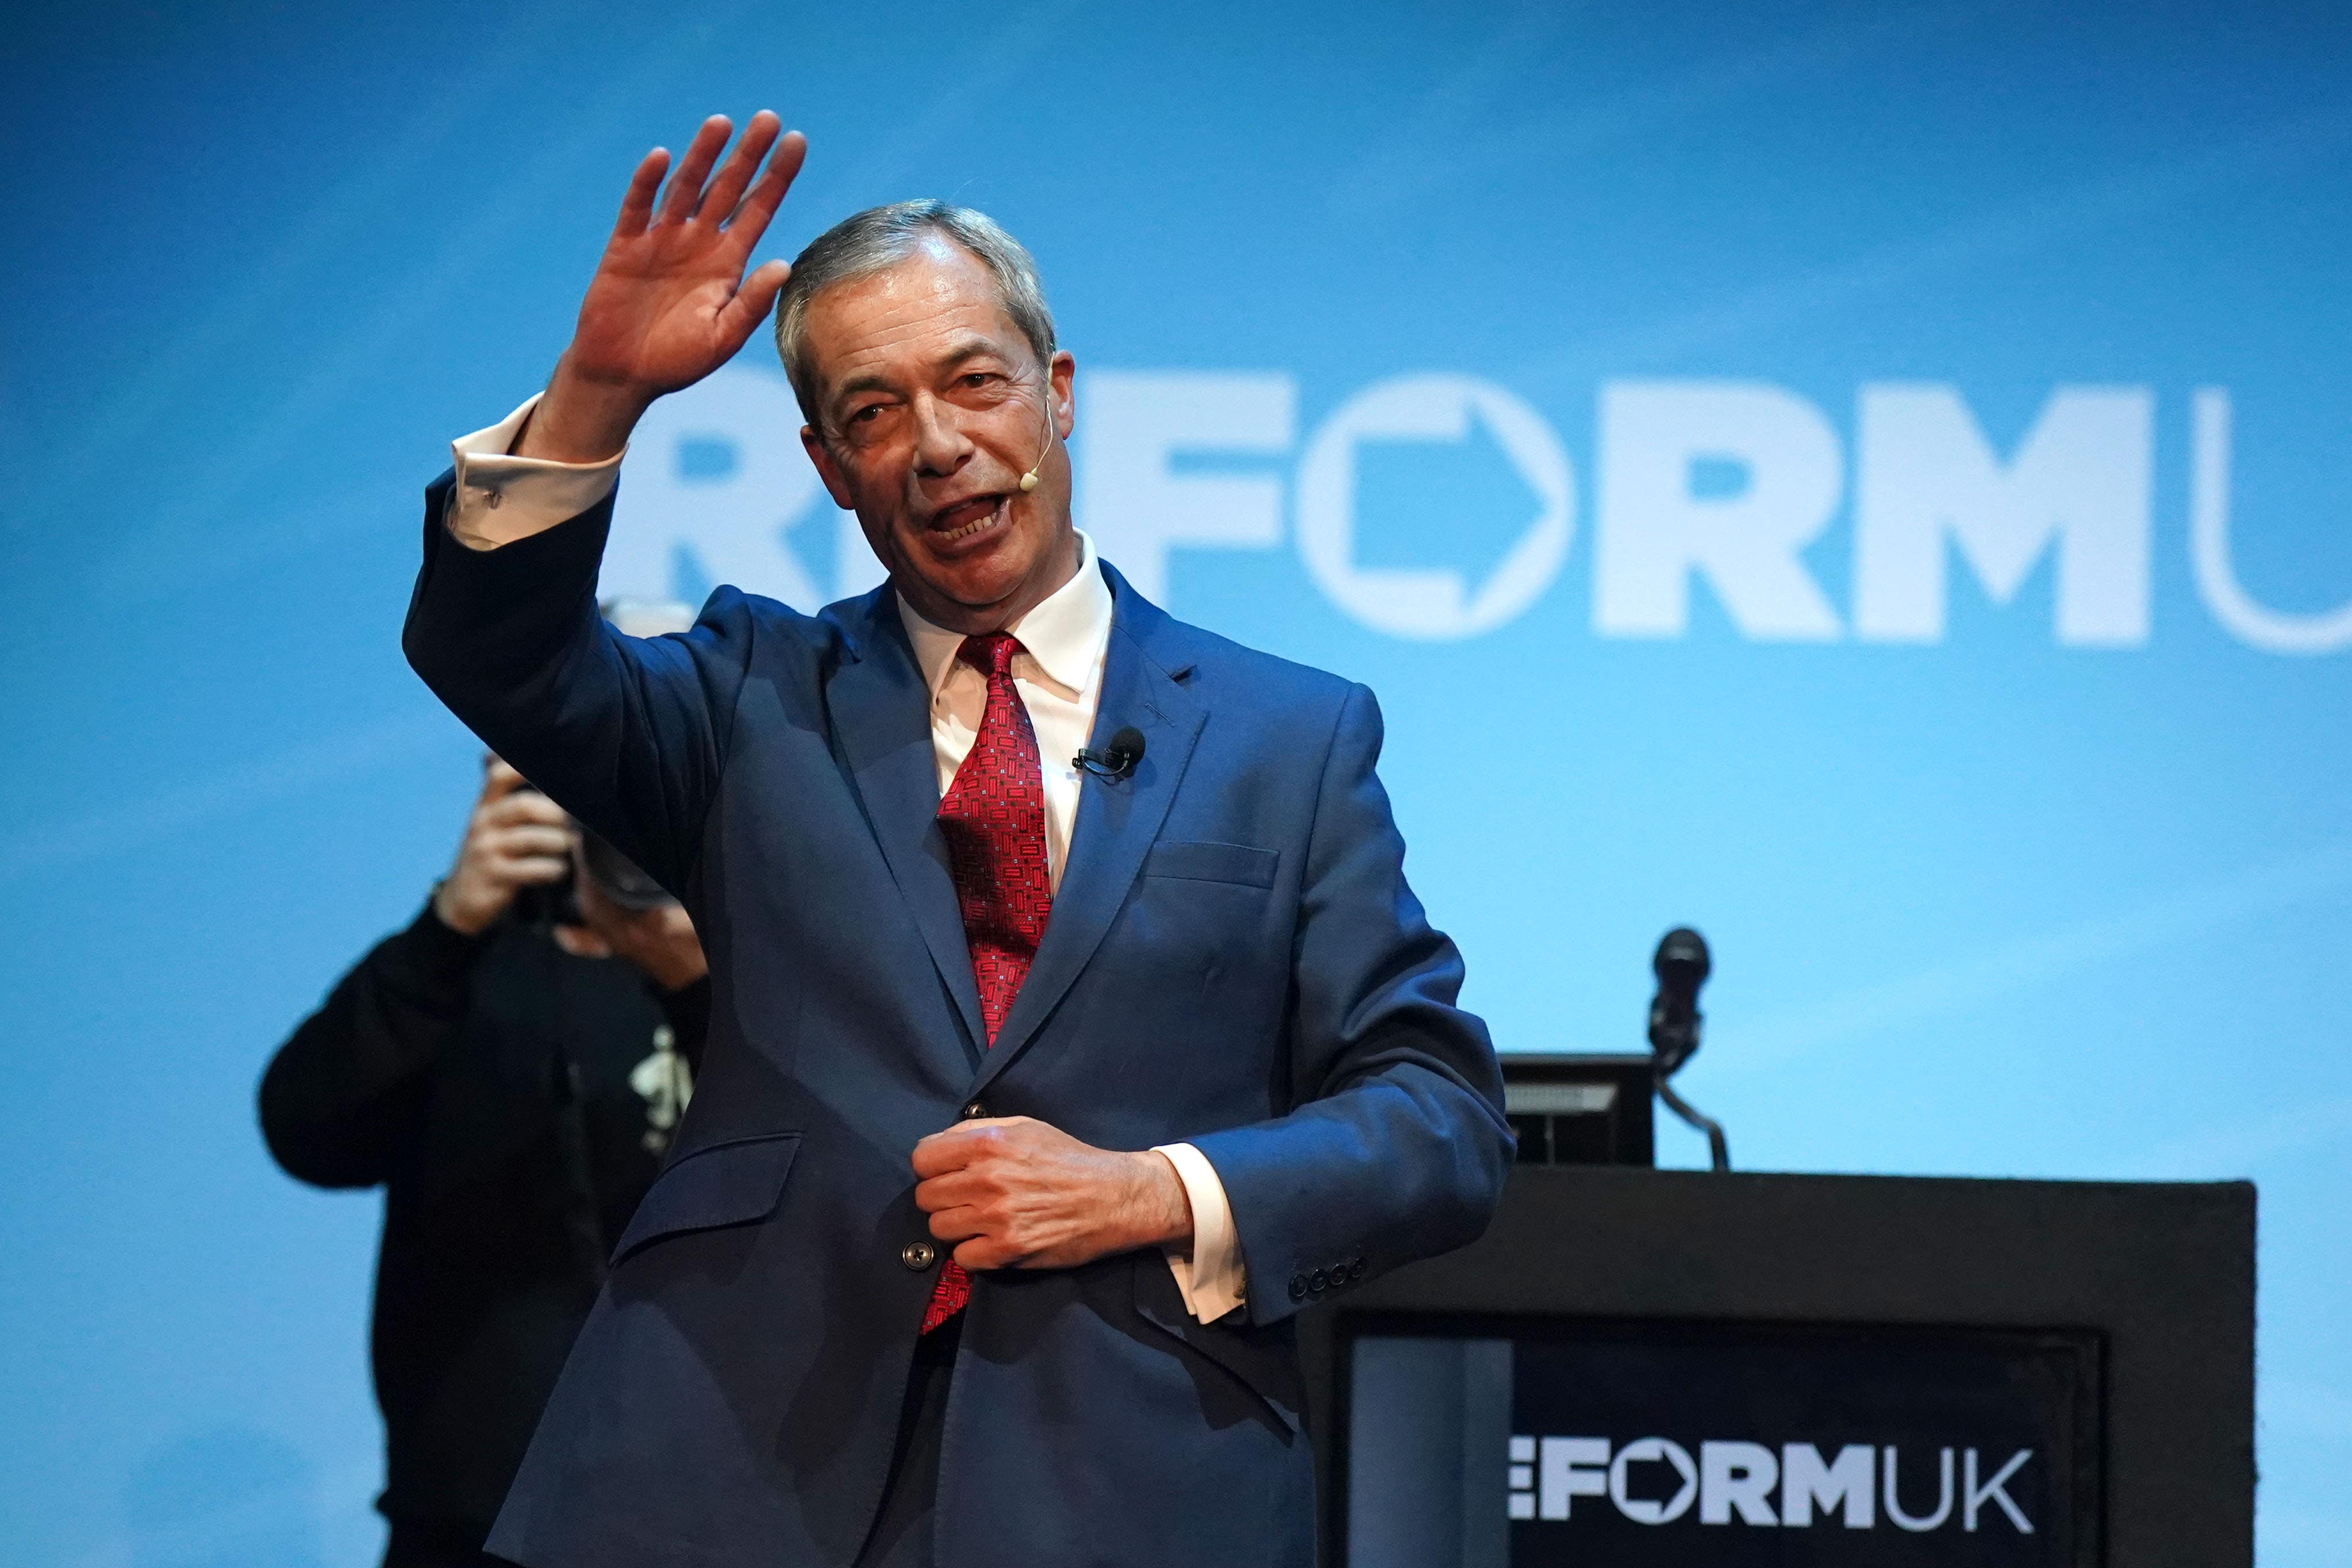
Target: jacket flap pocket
(726,1183)
(1264,1360)
(1208,862)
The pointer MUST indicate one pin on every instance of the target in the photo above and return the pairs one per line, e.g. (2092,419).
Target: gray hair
(877,240)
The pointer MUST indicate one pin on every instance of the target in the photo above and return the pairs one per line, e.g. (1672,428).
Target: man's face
(933,405)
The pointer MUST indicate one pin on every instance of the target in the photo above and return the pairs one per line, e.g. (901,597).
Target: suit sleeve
(1398,1147)
(628,734)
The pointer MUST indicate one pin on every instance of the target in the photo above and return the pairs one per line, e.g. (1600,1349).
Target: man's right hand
(669,302)
(517,837)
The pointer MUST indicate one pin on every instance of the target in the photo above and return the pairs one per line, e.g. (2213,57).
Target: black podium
(1638,1367)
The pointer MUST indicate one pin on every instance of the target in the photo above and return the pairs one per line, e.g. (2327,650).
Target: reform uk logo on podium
(1485,1441)
(1789,1485)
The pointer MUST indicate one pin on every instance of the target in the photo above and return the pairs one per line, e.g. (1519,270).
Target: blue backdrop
(1867,480)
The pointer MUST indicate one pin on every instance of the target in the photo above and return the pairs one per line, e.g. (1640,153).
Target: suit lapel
(882,717)
(1117,819)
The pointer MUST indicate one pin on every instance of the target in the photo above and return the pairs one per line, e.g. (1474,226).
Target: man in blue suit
(1042,1086)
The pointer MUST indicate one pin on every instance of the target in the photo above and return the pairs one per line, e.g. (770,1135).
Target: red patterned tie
(994,817)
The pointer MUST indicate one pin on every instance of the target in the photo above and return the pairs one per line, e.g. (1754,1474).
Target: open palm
(670,303)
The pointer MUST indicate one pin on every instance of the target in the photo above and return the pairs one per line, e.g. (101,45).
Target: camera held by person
(510,1069)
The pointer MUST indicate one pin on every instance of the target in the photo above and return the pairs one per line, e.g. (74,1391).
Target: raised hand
(669,302)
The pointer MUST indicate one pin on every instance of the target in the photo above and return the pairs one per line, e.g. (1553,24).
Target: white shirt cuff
(501,497)
(1208,1274)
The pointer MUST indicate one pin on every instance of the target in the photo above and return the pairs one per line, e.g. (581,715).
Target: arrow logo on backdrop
(1440,505)
(1434,507)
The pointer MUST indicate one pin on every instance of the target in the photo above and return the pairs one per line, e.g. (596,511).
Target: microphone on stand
(1116,761)
(1682,965)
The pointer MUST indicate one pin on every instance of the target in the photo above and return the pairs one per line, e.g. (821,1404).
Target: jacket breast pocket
(725,1184)
(1202,861)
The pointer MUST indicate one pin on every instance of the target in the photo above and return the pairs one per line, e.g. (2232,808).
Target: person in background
(508,1069)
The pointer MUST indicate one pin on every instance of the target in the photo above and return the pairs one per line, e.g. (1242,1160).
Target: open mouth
(968,519)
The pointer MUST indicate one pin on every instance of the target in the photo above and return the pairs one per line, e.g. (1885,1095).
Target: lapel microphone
(1116,761)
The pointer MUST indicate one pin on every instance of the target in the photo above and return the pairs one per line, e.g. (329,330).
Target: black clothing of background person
(484,1083)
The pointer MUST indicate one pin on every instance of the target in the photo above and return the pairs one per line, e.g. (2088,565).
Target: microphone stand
(1674,1026)
(1718,1151)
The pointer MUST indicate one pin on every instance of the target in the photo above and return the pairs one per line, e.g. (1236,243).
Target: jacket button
(1319,1281)
(918,1255)
(974,1111)
(1298,1286)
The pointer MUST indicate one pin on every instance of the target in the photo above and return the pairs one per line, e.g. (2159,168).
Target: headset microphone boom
(1029,480)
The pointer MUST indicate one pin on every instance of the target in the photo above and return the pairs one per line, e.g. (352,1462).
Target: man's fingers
(949,1150)
(734,176)
(523,805)
(982,1252)
(752,216)
(527,839)
(686,185)
(531,868)
(955,1189)
(517,811)
(499,778)
(638,202)
(962,1144)
(741,316)
(526,808)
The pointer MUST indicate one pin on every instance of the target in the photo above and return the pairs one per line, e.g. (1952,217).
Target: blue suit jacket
(1233,960)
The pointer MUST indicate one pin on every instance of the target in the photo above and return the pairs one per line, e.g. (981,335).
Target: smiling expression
(934,405)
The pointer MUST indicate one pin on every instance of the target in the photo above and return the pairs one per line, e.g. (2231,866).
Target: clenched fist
(1012,1192)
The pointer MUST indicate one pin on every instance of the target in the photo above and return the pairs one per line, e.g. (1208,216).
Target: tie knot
(990,653)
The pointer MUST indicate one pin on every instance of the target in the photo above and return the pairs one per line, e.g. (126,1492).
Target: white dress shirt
(501,497)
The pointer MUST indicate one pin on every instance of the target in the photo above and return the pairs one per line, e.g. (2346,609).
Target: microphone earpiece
(1029,480)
